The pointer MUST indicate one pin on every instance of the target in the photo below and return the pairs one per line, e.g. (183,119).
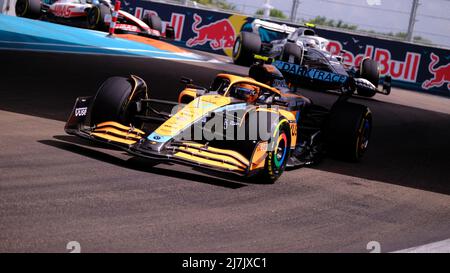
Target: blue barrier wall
(411,66)
(24,34)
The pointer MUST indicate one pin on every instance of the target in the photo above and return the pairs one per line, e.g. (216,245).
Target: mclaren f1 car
(92,14)
(251,126)
(302,56)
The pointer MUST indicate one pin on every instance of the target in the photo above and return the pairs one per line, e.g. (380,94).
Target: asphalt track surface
(55,188)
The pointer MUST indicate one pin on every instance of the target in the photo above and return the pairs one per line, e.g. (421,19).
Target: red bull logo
(441,74)
(219,34)
(404,70)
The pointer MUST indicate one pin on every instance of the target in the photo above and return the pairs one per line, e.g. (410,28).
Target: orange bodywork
(234,79)
(187,95)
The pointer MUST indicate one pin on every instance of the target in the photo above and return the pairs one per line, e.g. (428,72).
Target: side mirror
(190,84)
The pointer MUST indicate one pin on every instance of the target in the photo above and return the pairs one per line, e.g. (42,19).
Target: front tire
(28,8)
(349,130)
(115,100)
(245,46)
(278,153)
(369,71)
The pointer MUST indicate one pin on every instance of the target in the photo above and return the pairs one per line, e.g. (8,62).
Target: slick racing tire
(115,101)
(278,153)
(245,46)
(292,53)
(28,8)
(153,21)
(96,17)
(348,132)
(369,71)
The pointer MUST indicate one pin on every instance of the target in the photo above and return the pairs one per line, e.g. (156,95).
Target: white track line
(436,247)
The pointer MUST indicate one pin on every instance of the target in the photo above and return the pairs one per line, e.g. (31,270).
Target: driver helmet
(311,43)
(247,92)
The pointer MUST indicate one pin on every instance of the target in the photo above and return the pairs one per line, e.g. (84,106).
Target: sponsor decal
(405,70)
(62,10)
(441,74)
(219,34)
(311,73)
(158,138)
(127,27)
(80,112)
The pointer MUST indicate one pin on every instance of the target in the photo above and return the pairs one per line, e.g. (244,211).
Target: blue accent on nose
(158,138)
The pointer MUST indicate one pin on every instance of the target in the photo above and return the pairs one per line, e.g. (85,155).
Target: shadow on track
(136,163)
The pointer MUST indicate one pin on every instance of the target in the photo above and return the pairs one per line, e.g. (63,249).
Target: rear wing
(282,28)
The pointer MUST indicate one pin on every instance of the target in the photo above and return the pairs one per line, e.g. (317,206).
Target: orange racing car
(250,126)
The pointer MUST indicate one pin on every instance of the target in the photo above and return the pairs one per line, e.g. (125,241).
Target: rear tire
(96,17)
(349,129)
(245,46)
(114,101)
(153,21)
(369,71)
(292,50)
(28,8)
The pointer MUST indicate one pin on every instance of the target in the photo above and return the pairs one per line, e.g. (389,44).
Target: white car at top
(92,14)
